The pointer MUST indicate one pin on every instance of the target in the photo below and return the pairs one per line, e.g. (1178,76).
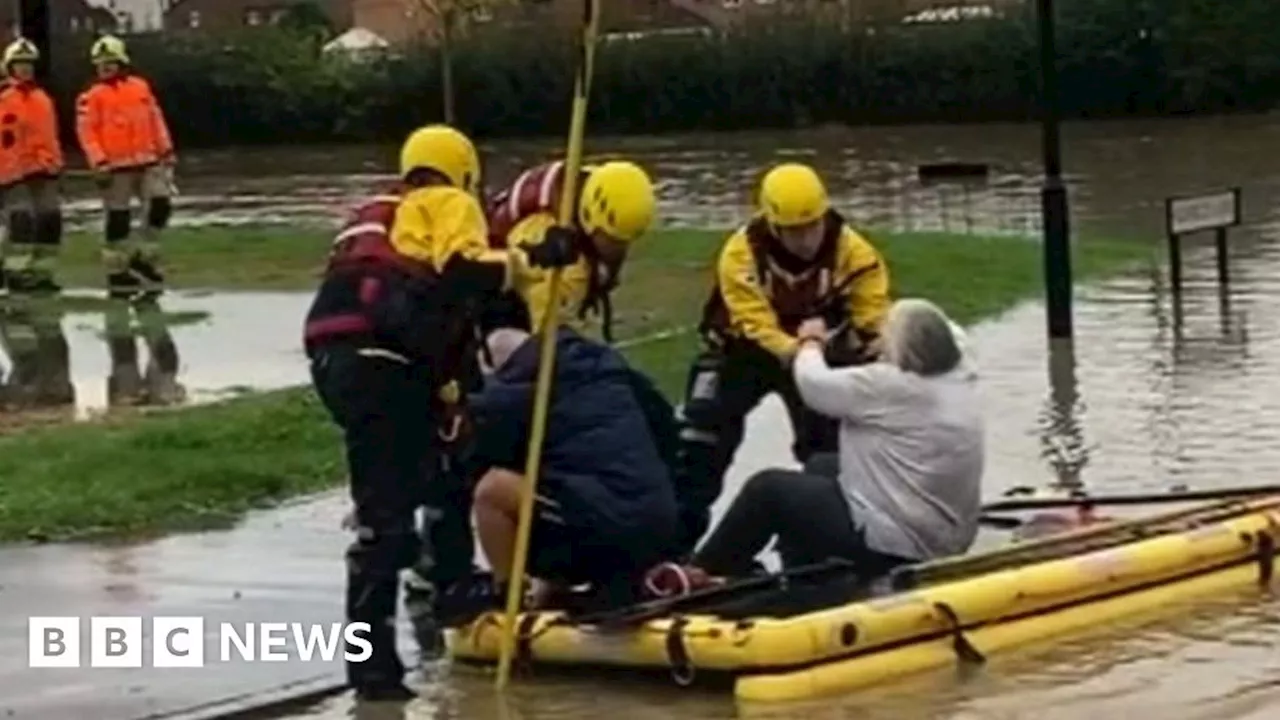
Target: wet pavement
(222,577)
(1137,404)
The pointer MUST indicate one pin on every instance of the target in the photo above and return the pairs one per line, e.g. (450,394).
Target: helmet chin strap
(603,279)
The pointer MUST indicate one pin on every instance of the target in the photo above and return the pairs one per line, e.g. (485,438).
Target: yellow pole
(551,321)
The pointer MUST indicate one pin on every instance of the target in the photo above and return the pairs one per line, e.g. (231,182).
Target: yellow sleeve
(750,312)
(864,270)
(534,284)
(445,228)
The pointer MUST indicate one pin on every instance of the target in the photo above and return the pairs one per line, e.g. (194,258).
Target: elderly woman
(910,461)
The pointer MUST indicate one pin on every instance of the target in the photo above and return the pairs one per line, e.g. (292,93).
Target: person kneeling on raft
(605,509)
(908,483)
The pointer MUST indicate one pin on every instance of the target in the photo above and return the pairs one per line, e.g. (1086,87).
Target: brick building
(401,21)
(223,15)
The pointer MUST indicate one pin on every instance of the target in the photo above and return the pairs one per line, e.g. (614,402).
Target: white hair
(919,338)
(502,344)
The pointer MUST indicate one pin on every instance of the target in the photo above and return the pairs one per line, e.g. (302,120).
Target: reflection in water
(1062,442)
(128,384)
(39,374)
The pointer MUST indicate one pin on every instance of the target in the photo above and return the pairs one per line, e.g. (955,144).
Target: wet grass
(231,258)
(205,466)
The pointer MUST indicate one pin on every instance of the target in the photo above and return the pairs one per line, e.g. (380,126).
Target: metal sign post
(1197,213)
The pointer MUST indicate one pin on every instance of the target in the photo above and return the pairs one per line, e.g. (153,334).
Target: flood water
(1139,402)
(195,347)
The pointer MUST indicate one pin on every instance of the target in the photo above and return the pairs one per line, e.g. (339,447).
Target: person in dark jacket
(605,509)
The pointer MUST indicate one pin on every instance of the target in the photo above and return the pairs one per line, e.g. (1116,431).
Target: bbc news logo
(179,642)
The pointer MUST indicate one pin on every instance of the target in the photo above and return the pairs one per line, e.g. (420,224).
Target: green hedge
(1118,57)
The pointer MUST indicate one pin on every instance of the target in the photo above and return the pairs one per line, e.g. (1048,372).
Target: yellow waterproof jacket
(445,228)
(761,296)
(534,285)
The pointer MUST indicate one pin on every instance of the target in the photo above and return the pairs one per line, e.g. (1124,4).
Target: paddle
(547,349)
(1175,496)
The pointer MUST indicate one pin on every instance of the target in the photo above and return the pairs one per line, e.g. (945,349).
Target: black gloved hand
(559,248)
(847,348)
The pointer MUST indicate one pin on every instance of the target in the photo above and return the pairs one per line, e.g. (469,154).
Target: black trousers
(384,409)
(724,385)
(807,513)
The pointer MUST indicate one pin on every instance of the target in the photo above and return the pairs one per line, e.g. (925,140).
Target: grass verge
(233,258)
(204,466)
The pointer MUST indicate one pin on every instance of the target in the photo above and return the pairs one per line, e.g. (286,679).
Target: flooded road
(1138,403)
(1119,173)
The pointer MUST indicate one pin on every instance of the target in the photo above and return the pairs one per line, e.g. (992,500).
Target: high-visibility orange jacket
(120,124)
(28,133)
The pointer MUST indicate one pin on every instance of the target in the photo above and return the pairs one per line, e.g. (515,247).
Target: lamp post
(1053,193)
(34,22)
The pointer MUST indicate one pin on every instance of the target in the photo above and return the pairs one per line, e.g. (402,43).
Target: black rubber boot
(148,276)
(462,602)
(32,283)
(123,285)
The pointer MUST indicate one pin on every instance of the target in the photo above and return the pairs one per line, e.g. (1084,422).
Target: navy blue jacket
(608,443)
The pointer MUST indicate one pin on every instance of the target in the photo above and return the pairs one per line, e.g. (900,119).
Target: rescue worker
(124,135)
(30,163)
(616,206)
(796,259)
(389,330)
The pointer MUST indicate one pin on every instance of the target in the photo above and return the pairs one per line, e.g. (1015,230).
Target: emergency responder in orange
(391,327)
(616,206)
(124,136)
(796,259)
(30,163)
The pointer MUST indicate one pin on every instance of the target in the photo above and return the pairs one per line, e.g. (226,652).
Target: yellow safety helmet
(618,199)
(20,50)
(109,49)
(445,150)
(792,194)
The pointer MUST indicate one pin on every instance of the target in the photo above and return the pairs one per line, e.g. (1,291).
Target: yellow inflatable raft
(937,620)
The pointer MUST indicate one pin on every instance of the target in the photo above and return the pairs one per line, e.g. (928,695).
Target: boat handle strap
(965,651)
(682,670)
(1266,555)
(525,636)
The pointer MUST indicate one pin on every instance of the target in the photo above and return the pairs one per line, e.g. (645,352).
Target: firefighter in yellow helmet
(30,163)
(616,206)
(391,328)
(796,259)
(125,138)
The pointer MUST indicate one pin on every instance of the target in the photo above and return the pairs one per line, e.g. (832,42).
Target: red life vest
(365,239)
(535,190)
(792,302)
(364,242)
